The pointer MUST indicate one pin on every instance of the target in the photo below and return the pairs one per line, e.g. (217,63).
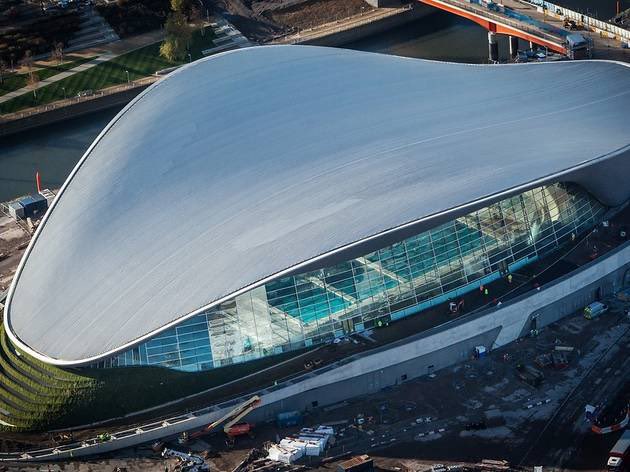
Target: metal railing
(77,99)
(177,422)
(588,21)
(486,13)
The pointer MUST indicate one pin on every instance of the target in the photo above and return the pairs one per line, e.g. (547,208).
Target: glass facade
(394,282)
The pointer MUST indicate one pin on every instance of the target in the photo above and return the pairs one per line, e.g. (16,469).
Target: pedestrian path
(55,78)
(104,54)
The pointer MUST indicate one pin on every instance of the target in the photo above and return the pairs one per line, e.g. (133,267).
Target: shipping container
(34,206)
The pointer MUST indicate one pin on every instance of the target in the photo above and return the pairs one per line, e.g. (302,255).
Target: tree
(3,70)
(170,49)
(57,52)
(33,80)
(196,16)
(178,5)
(27,60)
(178,35)
(177,26)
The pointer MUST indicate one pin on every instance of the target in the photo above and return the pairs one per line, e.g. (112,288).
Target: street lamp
(127,72)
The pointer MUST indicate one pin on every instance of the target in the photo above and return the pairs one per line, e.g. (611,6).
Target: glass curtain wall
(394,282)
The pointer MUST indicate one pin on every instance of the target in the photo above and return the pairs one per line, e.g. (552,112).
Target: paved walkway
(104,53)
(55,78)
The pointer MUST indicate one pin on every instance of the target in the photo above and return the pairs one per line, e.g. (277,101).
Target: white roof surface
(251,162)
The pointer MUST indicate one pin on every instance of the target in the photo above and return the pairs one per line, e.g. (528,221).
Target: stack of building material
(363,463)
(284,454)
(309,442)
(316,439)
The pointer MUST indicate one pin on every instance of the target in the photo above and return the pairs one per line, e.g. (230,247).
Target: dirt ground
(13,241)
(427,420)
(263,20)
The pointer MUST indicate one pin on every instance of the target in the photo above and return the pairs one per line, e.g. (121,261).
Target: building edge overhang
(340,253)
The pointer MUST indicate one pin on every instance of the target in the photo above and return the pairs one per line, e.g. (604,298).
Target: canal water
(55,149)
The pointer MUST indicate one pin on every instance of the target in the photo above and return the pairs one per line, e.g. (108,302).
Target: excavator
(232,428)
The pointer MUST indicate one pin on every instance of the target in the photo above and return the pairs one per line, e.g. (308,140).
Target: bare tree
(3,70)
(27,61)
(57,52)
(33,80)
(196,17)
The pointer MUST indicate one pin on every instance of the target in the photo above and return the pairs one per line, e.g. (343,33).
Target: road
(602,380)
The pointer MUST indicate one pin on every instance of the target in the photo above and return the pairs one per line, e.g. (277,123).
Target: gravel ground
(268,19)
(13,240)
(525,425)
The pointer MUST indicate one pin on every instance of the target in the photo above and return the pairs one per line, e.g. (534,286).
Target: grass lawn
(140,63)
(17,81)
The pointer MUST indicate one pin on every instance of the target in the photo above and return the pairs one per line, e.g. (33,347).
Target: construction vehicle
(571,25)
(104,437)
(232,428)
(619,457)
(188,462)
(594,310)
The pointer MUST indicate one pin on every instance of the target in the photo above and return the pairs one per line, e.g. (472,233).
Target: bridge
(536,21)
(500,19)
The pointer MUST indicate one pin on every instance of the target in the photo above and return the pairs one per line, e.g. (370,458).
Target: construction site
(509,409)
(526,370)
(558,396)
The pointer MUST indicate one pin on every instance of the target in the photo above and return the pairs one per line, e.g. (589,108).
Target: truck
(619,456)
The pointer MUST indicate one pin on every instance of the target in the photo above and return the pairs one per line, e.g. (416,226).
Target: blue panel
(423,271)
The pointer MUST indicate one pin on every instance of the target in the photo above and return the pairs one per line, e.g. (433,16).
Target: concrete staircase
(227,37)
(94,31)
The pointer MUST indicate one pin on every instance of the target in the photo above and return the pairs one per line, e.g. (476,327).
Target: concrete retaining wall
(374,381)
(80,108)
(344,35)
(399,361)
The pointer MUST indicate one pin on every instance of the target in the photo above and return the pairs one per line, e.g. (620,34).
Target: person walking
(509,277)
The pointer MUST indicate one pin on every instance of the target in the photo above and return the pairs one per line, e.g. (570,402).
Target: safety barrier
(510,318)
(607,29)
(612,428)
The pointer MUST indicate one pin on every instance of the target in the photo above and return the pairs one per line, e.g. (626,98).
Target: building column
(493,47)
(513,46)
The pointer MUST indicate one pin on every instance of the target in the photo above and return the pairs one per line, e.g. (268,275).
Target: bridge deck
(603,48)
(526,22)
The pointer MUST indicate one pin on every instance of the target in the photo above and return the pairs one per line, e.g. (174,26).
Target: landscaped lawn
(17,81)
(35,395)
(139,63)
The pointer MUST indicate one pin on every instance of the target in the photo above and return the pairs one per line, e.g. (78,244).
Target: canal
(54,150)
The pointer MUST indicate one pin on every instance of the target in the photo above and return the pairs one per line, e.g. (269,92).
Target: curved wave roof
(252,162)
